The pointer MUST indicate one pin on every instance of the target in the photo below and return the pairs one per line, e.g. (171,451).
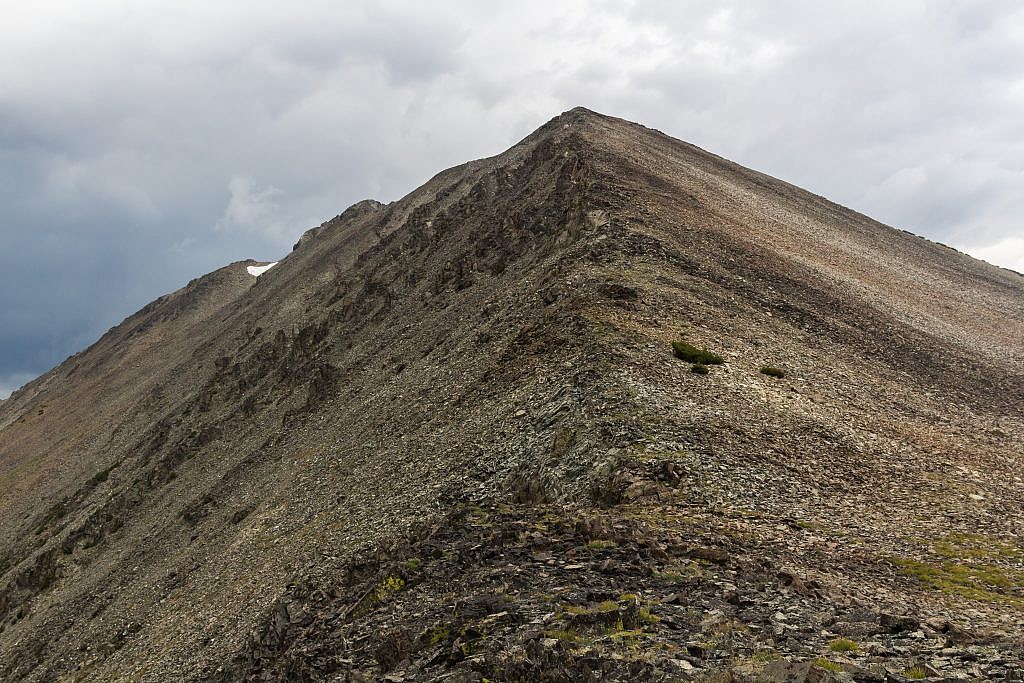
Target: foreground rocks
(640,591)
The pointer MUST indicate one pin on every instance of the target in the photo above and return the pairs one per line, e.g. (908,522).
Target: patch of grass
(729,627)
(647,617)
(843,645)
(600,545)
(828,665)
(916,673)
(670,577)
(563,635)
(975,581)
(765,657)
(412,564)
(681,573)
(621,634)
(978,547)
(691,354)
(772,372)
(699,369)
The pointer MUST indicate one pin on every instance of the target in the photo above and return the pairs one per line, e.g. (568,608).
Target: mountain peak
(582,113)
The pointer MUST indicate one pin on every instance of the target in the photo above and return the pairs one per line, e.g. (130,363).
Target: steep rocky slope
(448,437)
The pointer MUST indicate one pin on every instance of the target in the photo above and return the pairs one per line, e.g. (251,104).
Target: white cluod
(259,270)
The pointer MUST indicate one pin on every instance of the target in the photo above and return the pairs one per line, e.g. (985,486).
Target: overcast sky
(144,143)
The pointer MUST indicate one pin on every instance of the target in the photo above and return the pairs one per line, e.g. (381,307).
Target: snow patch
(259,270)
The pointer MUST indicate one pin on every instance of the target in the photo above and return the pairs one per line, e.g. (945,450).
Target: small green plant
(391,584)
(412,564)
(692,354)
(439,634)
(828,665)
(916,673)
(772,372)
(843,645)
(699,369)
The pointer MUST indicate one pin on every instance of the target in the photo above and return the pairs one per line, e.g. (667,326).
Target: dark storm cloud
(142,145)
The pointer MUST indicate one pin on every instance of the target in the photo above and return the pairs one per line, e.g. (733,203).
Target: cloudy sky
(146,142)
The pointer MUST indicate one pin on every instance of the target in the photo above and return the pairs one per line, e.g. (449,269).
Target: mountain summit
(602,407)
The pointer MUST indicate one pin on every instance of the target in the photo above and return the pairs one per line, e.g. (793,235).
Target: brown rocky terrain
(448,438)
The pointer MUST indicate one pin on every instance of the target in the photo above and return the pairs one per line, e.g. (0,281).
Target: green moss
(843,645)
(699,369)
(412,564)
(691,354)
(772,372)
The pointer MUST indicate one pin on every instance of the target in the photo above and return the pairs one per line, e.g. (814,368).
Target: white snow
(259,270)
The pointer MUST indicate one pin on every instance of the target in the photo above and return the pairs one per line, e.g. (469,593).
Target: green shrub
(772,372)
(916,673)
(828,665)
(843,645)
(699,369)
(692,354)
